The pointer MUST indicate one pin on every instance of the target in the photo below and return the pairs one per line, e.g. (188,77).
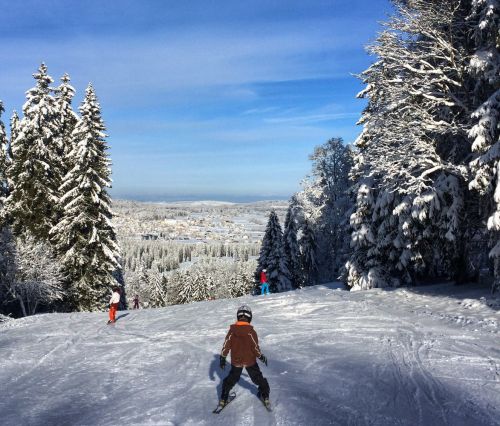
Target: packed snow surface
(425,356)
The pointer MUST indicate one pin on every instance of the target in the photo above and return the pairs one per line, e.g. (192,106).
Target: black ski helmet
(244,311)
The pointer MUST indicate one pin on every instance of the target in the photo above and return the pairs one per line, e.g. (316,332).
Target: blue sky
(203,98)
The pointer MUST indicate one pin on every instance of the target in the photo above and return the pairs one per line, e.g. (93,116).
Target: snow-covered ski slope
(404,357)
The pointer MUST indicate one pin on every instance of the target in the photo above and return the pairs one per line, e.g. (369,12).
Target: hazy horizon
(171,198)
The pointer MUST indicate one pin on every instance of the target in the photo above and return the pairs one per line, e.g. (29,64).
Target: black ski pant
(255,375)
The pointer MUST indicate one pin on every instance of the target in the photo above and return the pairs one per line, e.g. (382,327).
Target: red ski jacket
(263,277)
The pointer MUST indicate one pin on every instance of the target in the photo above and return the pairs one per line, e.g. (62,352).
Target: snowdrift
(398,357)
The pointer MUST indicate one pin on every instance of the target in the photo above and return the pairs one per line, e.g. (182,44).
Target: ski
(268,405)
(219,407)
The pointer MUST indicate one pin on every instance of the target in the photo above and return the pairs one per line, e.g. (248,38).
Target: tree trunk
(23,308)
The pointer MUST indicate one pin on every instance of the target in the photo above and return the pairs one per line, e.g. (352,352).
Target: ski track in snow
(396,357)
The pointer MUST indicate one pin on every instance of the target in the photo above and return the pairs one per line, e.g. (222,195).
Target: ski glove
(222,361)
(263,359)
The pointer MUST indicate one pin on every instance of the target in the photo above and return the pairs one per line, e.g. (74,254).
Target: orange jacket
(243,343)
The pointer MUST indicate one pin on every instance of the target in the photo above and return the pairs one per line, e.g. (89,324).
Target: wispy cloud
(259,111)
(167,62)
(314,118)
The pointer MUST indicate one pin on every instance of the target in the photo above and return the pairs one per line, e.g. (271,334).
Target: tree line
(417,198)
(165,273)
(426,168)
(207,278)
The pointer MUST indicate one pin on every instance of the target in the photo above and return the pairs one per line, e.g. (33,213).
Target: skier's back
(113,304)
(243,343)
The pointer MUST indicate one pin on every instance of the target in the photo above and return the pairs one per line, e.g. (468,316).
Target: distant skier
(264,286)
(243,343)
(113,304)
(136,301)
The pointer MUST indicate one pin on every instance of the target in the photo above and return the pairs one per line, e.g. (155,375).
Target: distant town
(194,222)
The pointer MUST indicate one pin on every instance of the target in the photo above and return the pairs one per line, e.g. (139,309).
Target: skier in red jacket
(264,286)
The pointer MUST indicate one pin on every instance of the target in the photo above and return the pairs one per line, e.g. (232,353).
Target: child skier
(136,301)
(113,304)
(264,286)
(243,343)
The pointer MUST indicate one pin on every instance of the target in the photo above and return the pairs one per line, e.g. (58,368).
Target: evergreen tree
(308,254)
(14,131)
(265,249)
(67,120)
(35,172)
(484,66)
(411,215)
(120,279)
(157,286)
(7,269)
(243,282)
(196,286)
(292,248)
(3,163)
(325,202)
(332,163)
(85,237)
(6,251)
(272,256)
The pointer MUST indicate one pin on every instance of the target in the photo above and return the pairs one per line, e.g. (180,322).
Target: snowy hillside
(402,357)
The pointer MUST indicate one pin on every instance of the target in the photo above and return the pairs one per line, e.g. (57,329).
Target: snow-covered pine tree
(265,249)
(485,134)
(308,248)
(120,279)
(34,174)
(67,120)
(158,290)
(332,163)
(325,203)
(3,164)
(363,270)
(14,131)
(7,268)
(292,248)
(7,246)
(85,237)
(6,255)
(144,277)
(244,281)
(410,217)
(272,256)
(143,283)
(196,285)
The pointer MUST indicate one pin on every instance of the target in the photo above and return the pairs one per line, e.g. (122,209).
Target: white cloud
(194,59)
(313,118)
